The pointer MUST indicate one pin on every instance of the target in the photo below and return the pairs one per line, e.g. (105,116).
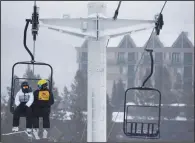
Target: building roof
(114,42)
(182,41)
(127,41)
(154,40)
(140,39)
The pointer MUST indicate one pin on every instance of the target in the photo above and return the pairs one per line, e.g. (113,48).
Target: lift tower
(97,28)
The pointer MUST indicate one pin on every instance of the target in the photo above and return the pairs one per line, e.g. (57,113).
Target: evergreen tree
(178,82)
(118,93)
(178,87)
(78,96)
(17,86)
(56,96)
(158,77)
(168,97)
(188,96)
(149,82)
(30,75)
(66,101)
(144,96)
(109,115)
(7,119)
(7,122)
(114,95)
(79,92)
(167,84)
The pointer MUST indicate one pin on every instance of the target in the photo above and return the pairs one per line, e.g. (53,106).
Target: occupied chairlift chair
(34,21)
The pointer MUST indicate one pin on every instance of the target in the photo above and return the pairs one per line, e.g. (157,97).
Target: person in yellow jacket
(43,99)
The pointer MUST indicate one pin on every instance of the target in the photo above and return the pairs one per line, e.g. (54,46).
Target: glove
(27,104)
(17,104)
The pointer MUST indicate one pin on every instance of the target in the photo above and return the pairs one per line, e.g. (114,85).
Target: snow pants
(43,112)
(20,110)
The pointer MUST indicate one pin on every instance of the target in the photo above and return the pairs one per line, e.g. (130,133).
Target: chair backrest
(142,128)
(13,81)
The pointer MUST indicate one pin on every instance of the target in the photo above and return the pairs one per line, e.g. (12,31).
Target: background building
(173,76)
(123,59)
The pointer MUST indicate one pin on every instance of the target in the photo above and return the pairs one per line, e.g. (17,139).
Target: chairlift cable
(33,54)
(116,11)
(148,41)
(34,28)
(144,51)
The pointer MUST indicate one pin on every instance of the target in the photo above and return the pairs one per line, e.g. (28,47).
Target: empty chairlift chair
(144,128)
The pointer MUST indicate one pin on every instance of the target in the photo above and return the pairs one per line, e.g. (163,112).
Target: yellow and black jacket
(43,98)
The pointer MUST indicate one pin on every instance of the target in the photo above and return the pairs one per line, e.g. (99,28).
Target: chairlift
(140,129)
(34,21)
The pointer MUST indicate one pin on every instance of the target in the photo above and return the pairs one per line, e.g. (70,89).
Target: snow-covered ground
(63,115)
(173,104)
(118,117)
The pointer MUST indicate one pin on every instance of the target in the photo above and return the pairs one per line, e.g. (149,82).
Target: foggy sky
(59,49)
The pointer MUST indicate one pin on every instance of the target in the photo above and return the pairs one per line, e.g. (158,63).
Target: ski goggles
(25,87)
(39,86)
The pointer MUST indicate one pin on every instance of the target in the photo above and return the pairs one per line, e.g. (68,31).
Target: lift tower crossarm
(107,26)
(73,32)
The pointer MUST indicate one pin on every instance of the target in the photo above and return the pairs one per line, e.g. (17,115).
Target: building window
(158,70)
(131,57)
(84,56)
(178,82)
(121,70)
(158,57)
(146,59)
(158,76)
(170,56)
(121,57)
(164,56)
(188,86)
(130,81)
(187,72)
(187,58)
(176,57)
(131,70)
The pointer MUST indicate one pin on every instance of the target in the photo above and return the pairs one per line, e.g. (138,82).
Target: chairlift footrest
(139,129)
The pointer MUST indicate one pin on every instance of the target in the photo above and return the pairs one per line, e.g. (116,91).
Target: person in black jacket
(43,99)
(23,101)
